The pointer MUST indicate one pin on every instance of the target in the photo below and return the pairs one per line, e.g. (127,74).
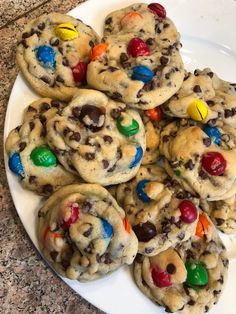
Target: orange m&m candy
(202,226)
(127,225)
(154,114)
(98,51)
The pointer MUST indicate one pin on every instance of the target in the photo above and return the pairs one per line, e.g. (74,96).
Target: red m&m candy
(158,9)
(137,47)
(79,72)
(154,114)
(188,211)
(160,278)
(214,163)
(73,217)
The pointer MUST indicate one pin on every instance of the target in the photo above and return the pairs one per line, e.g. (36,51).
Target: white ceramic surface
(209,39)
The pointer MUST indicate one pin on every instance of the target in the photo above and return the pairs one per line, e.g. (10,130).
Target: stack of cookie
(161,140)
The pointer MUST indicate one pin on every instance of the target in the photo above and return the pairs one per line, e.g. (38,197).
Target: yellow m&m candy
(198,110)
(66,31)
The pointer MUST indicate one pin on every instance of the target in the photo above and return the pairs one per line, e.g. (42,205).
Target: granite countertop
(27,285)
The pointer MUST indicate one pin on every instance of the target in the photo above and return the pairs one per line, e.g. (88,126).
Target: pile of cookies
(134,154)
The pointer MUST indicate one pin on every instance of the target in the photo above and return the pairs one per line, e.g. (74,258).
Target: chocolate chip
(180,195)
(168,310)
(166,138)
(54,42)
(197,89)
(127,190)
(219,221)
(189,164)
(75,136)
(31,109)
(216,292)
(108,21)
(206,309)
(47,189)
(123,58)
(41,26)
(42,119)
(210,103)
(76,112)
(54,255)
(44,107)
(26,35)
(115,113)
(203,175)
(65,62)
(22,146)
(60,79)
(87,206)
(32,179)
(164,60)
(92,117)
(181,236)
(107,259)
(207,141)
(149,250)
(107,139)
(221,280)
(112,168)
(31,125)
(145,231)
(89,156)
(112,69)
(89,231)
(43,132)
(171,269)
(24,43)
(55,103)
(150,41)
(45,79)
(116,96)
(228,113)
(166,25)
(210,74)
(139,258)
(212,122)
(191,302)
(89,248)
(105,163)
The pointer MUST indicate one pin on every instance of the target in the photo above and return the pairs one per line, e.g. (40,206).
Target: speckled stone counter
(27,285)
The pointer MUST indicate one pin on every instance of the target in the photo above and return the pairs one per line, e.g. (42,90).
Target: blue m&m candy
(142,73)
(140,191)
(15,165)
(213,133)
(137,158)
(46,56)
(107,228)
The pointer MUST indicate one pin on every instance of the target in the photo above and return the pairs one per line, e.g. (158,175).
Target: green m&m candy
(127,125)
(197,275)
(42,156)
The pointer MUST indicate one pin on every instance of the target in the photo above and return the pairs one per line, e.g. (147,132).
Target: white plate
(208,37)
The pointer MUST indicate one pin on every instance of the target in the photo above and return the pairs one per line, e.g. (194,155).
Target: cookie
(84,234)
(187,278)
(30,158)
(222,213)
(160,211)
(98,138)
(142,18)
(53,52)
(206,98)
(199,165)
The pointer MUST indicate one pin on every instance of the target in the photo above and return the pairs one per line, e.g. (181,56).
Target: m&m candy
(43,157)
(196,274)
(138,47)
(137,158)
(213,133)
(188,211)
(157,9)
(126,127)
(46,56)
(140,191)
(15,165)
(107,228)
(142,73)
(98,51)
(198,110)
(66,31)
(213,163)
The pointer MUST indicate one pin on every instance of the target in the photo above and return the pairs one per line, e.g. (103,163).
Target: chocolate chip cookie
(53,52)
(84,234)
(204,97)
(98,138)
(198,164)
(160,211)
(187,278)
(30,157)
(222,213)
